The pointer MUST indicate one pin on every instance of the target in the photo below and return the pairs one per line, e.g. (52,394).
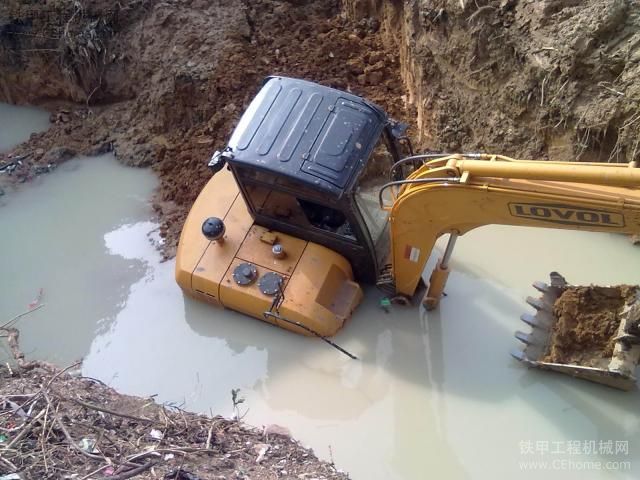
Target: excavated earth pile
(587,326)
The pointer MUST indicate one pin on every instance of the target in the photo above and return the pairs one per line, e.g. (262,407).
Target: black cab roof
(317,135)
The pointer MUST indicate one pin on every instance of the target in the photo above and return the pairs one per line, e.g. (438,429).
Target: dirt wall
(538,79)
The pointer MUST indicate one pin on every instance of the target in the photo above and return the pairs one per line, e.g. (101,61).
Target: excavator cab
(290,223)
(305,158)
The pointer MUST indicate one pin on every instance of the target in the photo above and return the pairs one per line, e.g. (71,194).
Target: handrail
(415,157)
(414,181)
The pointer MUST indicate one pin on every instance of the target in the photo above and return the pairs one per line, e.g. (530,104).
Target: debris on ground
(55,425)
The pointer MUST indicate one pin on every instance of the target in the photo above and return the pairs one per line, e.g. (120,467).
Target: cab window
(303,213)
(372,178)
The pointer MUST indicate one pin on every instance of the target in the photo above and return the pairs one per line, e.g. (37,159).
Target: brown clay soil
(588,322)
(163,83)
(54,425)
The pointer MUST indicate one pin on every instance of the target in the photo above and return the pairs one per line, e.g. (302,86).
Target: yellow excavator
(311,198)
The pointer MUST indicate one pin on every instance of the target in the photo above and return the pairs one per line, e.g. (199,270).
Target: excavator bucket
(588,332)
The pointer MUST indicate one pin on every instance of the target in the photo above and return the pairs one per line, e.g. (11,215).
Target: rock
(261,450)
(58,154)
(274,429)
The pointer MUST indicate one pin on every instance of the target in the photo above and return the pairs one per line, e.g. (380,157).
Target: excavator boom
(457,193)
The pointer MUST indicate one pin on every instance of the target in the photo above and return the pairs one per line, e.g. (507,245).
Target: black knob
(213,228)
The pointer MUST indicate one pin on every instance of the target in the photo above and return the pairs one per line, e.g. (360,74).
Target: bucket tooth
(524,338)
(538,304)
(521,356)
(534,321)
(541,287)
(529,319)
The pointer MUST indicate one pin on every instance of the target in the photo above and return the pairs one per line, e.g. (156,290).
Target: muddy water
(17,123)
(53,239)
(432,395)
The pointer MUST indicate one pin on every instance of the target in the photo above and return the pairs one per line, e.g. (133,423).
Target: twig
(111,412)
(97,470)
(26,429)
(67,435)
(479,11)
(142,456)
(44,438)
(11,465)
(94,91)
(209,435)
(64,370)
(17,317)
(134,471)
(603,85)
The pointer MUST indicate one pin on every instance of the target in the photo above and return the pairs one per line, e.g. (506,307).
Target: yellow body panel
(257,251)
(218,255)
(192,243)
(245,299)
(319,291)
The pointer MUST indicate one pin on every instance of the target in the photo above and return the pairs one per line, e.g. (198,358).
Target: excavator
(311,198)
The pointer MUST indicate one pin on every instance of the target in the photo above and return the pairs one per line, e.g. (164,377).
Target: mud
(587,325)
(54,423)
(163,83)
(537,79)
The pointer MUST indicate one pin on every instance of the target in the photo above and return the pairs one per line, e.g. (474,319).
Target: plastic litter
(88,445)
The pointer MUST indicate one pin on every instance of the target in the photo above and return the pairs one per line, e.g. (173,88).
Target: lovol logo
(566,214)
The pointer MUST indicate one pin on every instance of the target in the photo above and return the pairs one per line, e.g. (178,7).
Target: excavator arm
(457,193)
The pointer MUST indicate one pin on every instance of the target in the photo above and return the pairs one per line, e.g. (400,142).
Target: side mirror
(219,160)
